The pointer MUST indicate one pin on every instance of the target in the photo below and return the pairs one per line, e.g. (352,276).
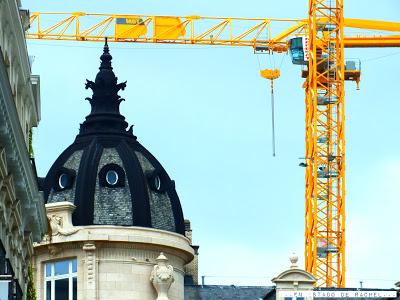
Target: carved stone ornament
(53,250)
(162,277)
(57,227)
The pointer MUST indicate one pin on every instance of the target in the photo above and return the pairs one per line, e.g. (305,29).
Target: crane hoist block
(270,73)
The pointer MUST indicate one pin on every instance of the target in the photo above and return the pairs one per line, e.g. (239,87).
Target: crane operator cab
(299,53)
(296,51)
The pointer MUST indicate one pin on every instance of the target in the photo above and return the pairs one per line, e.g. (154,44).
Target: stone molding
(65,232)
(125,234)
(17,166)
(16,240)
(90,263)
(118,240)
(22,213)
(13,46)
(18,113)
(294,275)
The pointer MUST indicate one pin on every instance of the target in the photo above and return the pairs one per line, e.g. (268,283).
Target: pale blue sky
(204,113)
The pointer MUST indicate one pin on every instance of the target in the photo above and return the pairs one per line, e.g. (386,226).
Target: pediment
(294,275)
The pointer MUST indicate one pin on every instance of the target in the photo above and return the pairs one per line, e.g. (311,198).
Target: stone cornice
(62,232)
(11,132)
(20,52)
(19,162)
(119,234)
(298,275)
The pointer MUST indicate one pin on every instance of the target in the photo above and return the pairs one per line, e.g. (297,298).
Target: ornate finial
(106,57)
(162,277)
(294,259)
(105,101)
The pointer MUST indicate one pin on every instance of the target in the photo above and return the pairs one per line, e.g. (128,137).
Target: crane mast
(325,145)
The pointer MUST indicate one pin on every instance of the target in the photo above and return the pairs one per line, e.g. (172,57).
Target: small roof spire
(105,101)
(105,57)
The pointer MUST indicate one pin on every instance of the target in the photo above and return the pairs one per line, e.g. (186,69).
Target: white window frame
(52,278)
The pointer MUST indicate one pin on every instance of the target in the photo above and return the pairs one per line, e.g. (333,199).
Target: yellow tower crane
(316,43)
(325,143)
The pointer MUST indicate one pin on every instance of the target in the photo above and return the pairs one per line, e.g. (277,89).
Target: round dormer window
(64,179)
(112,177)
(157,183)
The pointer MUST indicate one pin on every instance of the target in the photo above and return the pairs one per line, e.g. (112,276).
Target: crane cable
(271,57)
(272,74)
(273,117)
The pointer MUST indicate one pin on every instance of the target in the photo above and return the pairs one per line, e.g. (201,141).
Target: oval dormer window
(64,179)
(112,177)
(157,183)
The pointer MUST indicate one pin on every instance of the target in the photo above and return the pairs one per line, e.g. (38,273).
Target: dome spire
(105,116)
(106,57)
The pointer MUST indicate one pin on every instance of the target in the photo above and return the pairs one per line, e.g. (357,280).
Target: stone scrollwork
(57,226)
(162,276)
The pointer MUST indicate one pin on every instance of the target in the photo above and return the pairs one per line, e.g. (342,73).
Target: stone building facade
(117,226)
(107,262)
(22,215)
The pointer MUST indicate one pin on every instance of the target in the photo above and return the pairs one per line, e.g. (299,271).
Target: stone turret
(112,209)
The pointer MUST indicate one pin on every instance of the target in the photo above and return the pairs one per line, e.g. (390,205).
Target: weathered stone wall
(15,59)
(114,262)
(22,215)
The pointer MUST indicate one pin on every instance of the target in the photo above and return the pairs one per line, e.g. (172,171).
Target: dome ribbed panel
(160,206)
(69,194)
(108,212)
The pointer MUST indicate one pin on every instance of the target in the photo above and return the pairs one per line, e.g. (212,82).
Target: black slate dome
(109,176)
